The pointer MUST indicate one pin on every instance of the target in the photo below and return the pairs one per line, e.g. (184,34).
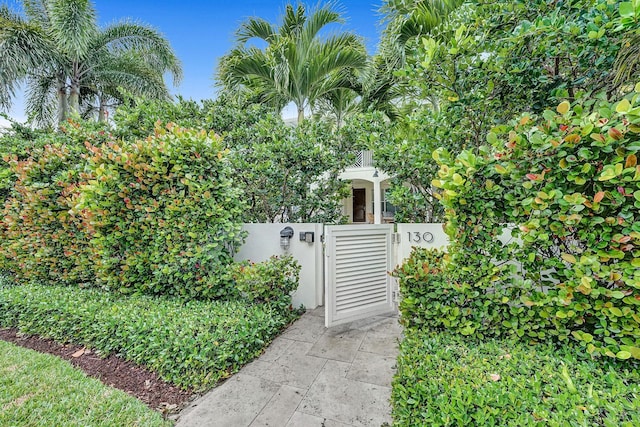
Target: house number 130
(416,237)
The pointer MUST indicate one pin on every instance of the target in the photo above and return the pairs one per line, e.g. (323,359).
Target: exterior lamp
(285,237)
(375,174)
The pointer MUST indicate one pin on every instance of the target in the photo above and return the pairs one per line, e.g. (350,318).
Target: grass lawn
(42,390)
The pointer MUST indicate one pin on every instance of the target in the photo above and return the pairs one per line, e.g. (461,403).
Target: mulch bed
(112,370)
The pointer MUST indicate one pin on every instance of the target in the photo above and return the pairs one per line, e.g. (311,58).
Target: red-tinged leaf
(631,161)
(533,176)
(573,138)
(615,134)
(598,197)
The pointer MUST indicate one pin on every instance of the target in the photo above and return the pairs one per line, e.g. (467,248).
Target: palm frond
(320,18)
(41,100)
(24,48)
(255,28)
(36,10)
(293,20)
(73,26)
(125,36)
(627,65)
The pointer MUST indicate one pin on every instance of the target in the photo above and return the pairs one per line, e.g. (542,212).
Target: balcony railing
(364,159)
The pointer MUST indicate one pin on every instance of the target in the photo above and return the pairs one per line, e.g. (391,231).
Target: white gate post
(377,201)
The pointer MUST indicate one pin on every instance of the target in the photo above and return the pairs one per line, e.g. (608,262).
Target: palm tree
(406,21)
(63,56)
(297,65)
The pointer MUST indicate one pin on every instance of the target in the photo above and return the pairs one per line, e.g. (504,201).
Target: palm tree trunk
(62,100)
(102,110)
(74,97)
(300,114)
(74,93)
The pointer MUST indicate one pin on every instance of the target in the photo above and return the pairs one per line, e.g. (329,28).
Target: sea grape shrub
(567,185)
(271,281)
(428,299)
(162,214)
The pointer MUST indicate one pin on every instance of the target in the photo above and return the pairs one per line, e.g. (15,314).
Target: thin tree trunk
(300,115)
(62,100)
(102,109)
(74,97)
(74,93)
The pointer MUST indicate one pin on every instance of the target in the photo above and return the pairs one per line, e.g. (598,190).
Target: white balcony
(364,159)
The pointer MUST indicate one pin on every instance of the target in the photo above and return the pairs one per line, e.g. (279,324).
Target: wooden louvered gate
(357,261)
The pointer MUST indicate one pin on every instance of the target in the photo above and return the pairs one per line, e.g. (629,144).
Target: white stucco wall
(422,235)
(263,241)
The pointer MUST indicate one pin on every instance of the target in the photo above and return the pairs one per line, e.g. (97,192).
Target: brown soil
(112,370)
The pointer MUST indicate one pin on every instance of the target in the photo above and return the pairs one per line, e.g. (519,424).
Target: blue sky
(201,31)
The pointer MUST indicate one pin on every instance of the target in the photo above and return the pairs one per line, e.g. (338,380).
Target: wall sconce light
(375,174)
(285,237)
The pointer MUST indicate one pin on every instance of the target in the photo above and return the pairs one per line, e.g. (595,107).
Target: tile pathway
(309,376)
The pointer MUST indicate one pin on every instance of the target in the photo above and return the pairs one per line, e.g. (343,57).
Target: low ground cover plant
(445,380)
(42,390)
(192,344)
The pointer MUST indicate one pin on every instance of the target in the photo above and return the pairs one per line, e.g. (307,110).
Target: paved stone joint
(310,376)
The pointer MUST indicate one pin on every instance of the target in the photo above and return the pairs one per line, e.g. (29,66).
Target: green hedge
(568,184)
(443,380)
(272,281)
(158,216)
(192,344)
(162,213)
(39,238)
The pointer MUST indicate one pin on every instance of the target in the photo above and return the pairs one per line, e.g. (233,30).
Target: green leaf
(626,10)
(492,138)
(623,106)
(563,107)
(623,355)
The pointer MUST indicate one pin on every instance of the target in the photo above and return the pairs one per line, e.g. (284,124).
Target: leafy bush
(428,297)
(568,184)
(192,344)
(287,174)
(271,281)
(443,380)
(162,214)
(40,239)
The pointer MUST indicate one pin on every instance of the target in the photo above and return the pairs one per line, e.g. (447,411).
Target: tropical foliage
(491,61)
(568,185)
(69,64)
(297,65)
(157,216)
(287,174)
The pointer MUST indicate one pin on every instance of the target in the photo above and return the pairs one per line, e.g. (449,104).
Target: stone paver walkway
(310,376)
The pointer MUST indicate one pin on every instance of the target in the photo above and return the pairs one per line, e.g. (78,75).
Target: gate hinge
(395,238)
